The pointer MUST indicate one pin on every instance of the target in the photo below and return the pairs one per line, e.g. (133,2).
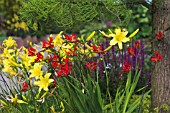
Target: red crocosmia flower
(59,73)
(64,70)
(55,64)
(54,58)
(45,44)
(159,35)
(131,51)
(98,49)
(54,82)
(66,60)
(137,44)
(71,38)
(31,51)
(88,64)
(49,44)
(67,69)
(92,66)
(156,58)
(126,67)
(24,86)
(39,57)
(72,52)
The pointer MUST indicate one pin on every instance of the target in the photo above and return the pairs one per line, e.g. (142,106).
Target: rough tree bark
(161,74)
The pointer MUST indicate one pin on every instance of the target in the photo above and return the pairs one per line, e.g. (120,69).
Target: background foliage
(47,16)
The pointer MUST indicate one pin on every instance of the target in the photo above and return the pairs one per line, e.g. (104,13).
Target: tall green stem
(107,84)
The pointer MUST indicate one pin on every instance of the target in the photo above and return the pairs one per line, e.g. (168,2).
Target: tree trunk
(161,74)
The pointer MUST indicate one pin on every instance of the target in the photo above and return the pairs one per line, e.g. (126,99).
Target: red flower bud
(31,51)
(91,66)
(156,58)
(24,86)
(137,44)
(159,35)
(131,51)
(126,67)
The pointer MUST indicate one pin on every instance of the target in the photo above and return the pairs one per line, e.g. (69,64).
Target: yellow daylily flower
(10,62)
(44,82)
(15,100)
(28,60)
(87,52)
(58,40)
(64,48)
(119,37)
(7,52)
(36,71)
(9,70)
(10,42)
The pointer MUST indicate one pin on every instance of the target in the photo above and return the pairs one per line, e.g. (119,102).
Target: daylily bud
(134,33)
(91,35)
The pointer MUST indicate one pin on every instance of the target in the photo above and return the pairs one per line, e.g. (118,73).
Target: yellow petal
(125,33)
(46,88)
(120,45)
(36,83)
(113,41)
(51,80)
(91,35)
(112,35)
(105,34)
(88,46)
(134,33)
(47,75)
(21,101)
(58,40)
(51,35)
(125,40)
(117,30)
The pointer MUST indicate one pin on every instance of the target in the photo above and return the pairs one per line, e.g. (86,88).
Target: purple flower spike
(119,77)
(109,23)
